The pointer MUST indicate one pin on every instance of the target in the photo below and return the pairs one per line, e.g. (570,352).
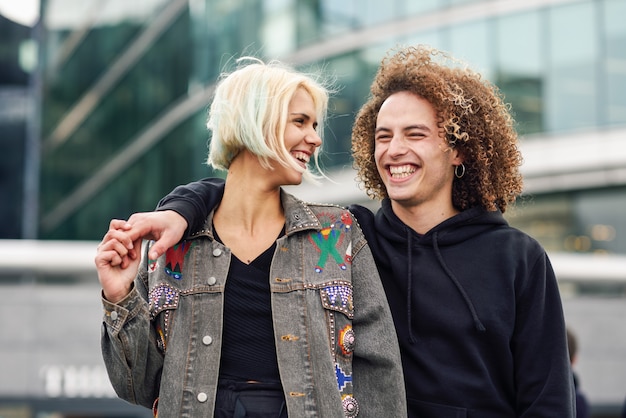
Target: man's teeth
(398,172)
(304,157)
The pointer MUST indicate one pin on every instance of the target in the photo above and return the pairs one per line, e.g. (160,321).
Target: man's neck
(423,217)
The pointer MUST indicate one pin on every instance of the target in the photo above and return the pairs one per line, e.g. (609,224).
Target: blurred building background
(103,107)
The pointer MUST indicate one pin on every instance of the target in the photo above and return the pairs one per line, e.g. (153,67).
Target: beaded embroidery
(338,297)
(162,297)
(342,378)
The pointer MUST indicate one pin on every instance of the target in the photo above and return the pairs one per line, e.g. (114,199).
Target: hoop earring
(460,174)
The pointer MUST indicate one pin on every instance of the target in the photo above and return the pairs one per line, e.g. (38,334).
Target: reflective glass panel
(615,61)
(519,68)
(571,88)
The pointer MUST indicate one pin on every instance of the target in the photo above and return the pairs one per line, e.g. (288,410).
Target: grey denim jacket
(336,344)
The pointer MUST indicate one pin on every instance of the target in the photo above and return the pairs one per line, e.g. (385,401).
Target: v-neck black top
(248,346)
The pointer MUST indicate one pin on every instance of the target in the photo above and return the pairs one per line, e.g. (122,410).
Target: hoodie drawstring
(479,325)
(409,290)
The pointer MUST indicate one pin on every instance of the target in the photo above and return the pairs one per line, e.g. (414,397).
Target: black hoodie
(476,307)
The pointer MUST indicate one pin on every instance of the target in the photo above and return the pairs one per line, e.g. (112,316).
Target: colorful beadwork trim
(342,378)
(162,297)
(346,340)
(338,297)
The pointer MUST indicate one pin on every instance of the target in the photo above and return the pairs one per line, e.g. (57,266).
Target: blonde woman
(273,307)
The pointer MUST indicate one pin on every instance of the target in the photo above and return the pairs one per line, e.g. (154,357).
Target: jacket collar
(298,217)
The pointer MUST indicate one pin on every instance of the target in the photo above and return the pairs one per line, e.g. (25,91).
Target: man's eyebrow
(418,126)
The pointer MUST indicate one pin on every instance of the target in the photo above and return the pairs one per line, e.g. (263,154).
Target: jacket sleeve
(129,348)
(543,372)
(193,201)
(378,379)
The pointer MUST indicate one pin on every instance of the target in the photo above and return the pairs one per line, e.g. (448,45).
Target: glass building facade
(126,88)
(114,115)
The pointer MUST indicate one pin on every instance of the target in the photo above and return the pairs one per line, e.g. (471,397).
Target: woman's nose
(313,138)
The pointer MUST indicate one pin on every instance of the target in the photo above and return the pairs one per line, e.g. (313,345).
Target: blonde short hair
(250,111)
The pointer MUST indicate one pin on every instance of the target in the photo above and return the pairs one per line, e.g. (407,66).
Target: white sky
(21,11)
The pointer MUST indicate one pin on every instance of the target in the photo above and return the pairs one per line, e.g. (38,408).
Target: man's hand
(166,228)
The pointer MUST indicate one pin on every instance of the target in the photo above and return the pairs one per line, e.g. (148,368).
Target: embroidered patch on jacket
(329,238)
(152,265)
(175,258)
(162,297)
(346,340)
(338,297)
(342,378)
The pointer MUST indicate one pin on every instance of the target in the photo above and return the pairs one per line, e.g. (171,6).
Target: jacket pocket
(336,299)
(337,296)
(163,300)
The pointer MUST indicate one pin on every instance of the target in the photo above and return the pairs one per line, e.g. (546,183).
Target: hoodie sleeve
(193,201)
(365,219)
(378,379)
(544,377)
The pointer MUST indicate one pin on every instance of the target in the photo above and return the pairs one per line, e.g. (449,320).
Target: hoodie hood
(405,241)
(454,230)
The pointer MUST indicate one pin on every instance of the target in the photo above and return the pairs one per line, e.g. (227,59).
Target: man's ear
(456,157)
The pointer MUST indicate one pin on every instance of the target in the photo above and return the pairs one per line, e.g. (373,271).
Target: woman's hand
(117,260)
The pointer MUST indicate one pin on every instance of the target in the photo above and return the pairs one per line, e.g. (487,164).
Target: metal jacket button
(217,252)
(207,340)
(202,397)
(211,280)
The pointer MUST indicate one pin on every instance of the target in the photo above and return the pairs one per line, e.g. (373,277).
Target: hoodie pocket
(423,409)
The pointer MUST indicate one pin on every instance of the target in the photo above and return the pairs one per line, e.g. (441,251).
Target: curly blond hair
(471,114)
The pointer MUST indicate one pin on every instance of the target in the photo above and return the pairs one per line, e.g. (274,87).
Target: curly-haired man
(475,302)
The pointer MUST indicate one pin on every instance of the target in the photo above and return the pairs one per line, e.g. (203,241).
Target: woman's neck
(250,216)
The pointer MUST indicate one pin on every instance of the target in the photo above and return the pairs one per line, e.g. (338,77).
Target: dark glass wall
(15,105)
(111,149)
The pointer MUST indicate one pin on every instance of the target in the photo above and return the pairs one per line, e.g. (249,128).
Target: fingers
(145,225)
(166,228)
(112,249)
(133,254)
(160,246)
(121,237)
(119,224)
(116,268)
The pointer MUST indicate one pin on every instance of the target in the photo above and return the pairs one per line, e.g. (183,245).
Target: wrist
(117,296)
